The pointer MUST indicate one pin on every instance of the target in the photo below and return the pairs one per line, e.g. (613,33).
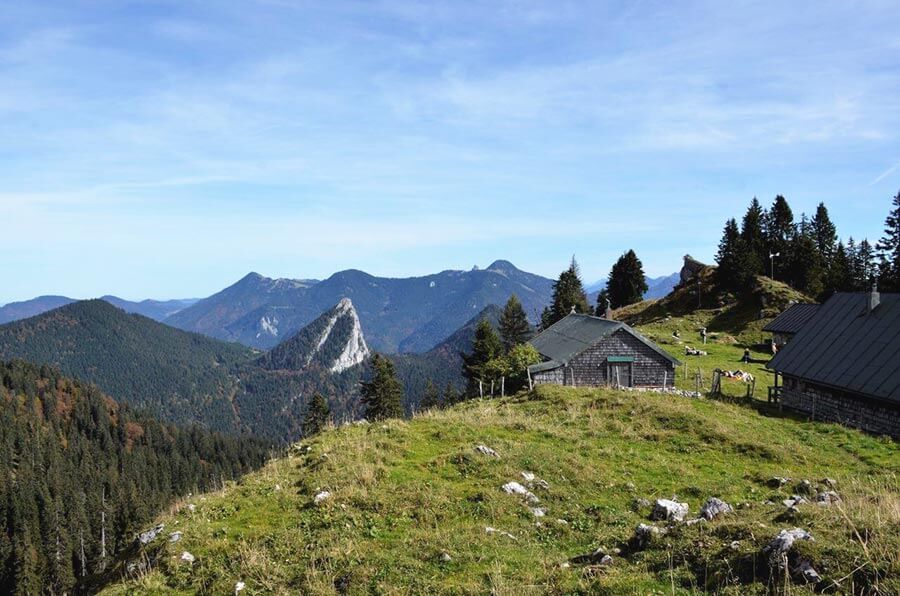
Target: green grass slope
(733,323)
(405,493)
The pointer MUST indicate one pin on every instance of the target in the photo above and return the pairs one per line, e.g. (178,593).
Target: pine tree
(431,397)
(754,237)
(825,234)
(485,347)
(383,394)
(805,270)
(514,327)
(734,271)
(838,278)
(568,292)
(862,266)
(889,249)
(627,282)
(779,229)
(317,415)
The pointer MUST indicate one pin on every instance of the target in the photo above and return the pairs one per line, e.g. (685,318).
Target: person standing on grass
(746,357)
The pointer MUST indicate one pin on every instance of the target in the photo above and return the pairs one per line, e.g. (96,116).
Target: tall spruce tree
(514,327)
(734,271)
(754,238)
(382,395)
(486,347)
(805,270)
(862,264)
(568,292)
(889,249)
(838,278)
(825,234)
(317,415)
(627,283)
(780,229)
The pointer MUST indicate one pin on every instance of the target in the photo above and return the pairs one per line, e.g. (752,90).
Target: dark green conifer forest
(80,474)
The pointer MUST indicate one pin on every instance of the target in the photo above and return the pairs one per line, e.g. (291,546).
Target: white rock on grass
(175,537)
(785,539)
(239,587)
(321,497)
(150,535)
(538,511)
(192,508)
(528,476)
(669,510)
(188,557)
(794,501)
(514,488)
(485,450)
(714,507)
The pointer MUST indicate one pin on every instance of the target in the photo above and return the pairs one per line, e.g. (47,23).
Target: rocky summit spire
(334,341)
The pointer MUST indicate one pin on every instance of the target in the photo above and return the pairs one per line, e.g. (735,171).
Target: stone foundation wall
(822,403)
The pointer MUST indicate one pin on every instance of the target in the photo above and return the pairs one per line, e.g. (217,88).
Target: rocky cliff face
(333,342)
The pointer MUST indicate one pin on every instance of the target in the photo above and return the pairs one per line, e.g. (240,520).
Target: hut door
(620,374)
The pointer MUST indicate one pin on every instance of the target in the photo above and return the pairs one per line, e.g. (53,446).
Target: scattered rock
(277,488)
(805,569)
(794,501)
(192,508)
(827,498)
(188,557)
(785,540)
(490,530)
(485,450)
(669,510)
(714,507)
(321,497)
(562,522)
(542,484)
(735,545)
(538,511)
(829,482)
(514,488)
(175,537)
(528,476)
(150,535)
(644,535)
(445,557)
(598,557)
(239,587)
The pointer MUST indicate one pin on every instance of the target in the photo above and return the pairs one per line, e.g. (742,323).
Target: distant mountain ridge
(154,309)
(398,314)
(187,378)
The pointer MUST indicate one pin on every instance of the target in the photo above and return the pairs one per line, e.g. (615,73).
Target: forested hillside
(80,474)
(179,376)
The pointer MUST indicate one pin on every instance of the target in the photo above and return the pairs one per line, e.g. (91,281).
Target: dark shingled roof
(575,333)
(793,319)
(845,347)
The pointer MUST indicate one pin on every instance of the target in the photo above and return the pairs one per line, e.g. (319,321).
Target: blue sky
(164,149)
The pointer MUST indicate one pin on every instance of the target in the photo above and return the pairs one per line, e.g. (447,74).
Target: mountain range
(154,309)
(187,377)
(398,314)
